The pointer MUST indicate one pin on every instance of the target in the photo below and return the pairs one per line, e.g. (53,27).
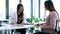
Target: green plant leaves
(29,20)
(35,19)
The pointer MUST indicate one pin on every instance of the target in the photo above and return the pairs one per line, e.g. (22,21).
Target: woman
(18,18)
(52,18)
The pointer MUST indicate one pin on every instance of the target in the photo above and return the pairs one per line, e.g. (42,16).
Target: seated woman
(50,24)
(18,18)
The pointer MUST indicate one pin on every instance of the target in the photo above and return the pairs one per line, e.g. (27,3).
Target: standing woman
(18,18)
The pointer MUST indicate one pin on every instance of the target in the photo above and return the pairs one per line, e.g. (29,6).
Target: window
(13,6)
(31,7)
(43,13)
(27,8)
(2,9)
(36,8)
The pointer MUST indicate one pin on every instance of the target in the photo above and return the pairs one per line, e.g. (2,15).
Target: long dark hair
(49,5)
(21,14)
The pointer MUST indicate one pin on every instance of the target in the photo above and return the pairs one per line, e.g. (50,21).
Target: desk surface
(17,26)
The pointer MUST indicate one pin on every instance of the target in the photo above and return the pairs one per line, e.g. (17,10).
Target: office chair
(55,32)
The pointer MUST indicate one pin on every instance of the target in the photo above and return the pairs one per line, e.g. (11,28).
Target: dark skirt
(22,31)
(41,33)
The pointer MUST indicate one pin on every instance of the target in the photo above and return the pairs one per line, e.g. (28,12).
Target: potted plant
(34,21)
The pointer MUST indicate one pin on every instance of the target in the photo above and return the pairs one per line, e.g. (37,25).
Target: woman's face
(21,9)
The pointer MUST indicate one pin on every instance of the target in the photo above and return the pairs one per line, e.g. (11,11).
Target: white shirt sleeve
(13,18)
(25,19)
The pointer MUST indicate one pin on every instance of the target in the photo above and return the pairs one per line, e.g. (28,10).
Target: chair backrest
(56,25)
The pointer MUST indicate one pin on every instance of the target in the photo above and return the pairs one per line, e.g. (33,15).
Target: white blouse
(13,18)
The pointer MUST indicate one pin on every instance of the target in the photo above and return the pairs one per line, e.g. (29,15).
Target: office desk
(16,26)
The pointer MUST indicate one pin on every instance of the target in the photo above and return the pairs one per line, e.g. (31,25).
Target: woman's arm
(53,18)
(24,20)
(13,18)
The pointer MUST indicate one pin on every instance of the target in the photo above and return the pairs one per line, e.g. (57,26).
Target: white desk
(17,26)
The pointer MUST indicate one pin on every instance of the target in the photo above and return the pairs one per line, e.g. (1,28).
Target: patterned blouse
(51,21)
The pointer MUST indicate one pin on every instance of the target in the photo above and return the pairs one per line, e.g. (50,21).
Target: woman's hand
(36,25)
(45,26)
(22,23)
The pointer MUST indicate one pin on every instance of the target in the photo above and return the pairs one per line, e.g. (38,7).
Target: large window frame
(20,1)
(33,8)
(7,8)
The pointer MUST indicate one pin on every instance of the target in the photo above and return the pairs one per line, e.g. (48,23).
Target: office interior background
(31,8)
